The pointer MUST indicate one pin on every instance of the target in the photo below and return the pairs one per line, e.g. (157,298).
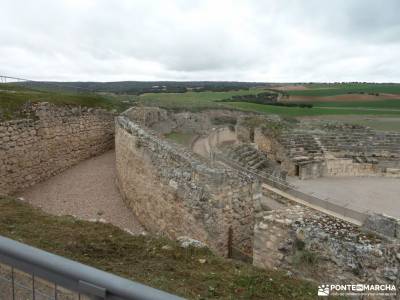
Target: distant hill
(140,87)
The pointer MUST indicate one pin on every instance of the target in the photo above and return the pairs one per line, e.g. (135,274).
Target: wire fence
(17,284)
(9,79)
(40,84)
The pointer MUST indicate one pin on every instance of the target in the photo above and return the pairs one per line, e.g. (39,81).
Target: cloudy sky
(260,40)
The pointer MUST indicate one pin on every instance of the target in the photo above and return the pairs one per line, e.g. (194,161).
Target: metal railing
(32,270)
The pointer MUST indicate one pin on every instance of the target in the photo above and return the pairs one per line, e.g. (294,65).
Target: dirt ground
(87,191)
(374,194)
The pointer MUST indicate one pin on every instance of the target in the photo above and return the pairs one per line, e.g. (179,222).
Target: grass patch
(13,97)
(142,258)
(192,100)
(180,137)
(224,120)
(304,257)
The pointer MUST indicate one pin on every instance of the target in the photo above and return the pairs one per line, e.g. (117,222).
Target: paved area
(87,191)
(374,194)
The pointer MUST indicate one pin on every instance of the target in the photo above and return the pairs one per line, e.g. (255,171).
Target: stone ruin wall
(343,252)
(188,197)
(50,140)
(191,198)
(174,192)
(266,144)
(346,167)
(200,123)
(339,167)
(274,151)
(342,167)
(329,165)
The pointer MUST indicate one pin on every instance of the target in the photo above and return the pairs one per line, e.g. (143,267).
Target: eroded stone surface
(175,192)
(341,247)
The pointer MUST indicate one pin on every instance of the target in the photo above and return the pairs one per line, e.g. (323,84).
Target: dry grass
(142,258)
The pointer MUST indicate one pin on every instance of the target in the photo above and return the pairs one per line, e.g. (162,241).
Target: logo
(358,289)
(323,290)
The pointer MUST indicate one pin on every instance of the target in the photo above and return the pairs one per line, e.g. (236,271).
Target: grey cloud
(286,40)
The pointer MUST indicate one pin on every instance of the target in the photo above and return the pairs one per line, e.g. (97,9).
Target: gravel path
(364,194)
(87,191)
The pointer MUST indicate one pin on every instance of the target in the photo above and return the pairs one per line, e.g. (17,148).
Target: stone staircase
(250,158)
(361,144)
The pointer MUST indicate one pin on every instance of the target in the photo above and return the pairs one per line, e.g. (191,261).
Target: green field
(13,97)
(322,90)
(315,111)
(192,100)
(196,101)
(201,100)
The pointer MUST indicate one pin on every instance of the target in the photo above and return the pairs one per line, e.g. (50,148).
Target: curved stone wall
(175,192)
